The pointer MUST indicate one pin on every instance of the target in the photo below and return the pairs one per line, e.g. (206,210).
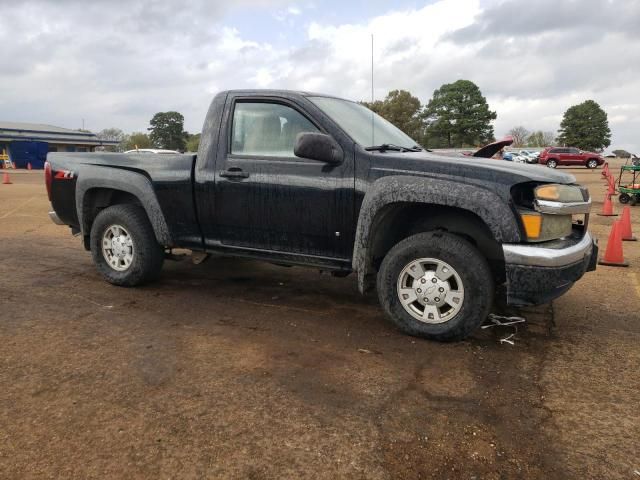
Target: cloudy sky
(114,63)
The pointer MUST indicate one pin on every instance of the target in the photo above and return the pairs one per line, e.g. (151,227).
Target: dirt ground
(237,369)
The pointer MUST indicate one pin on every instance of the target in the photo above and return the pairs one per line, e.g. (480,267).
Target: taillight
(48,178)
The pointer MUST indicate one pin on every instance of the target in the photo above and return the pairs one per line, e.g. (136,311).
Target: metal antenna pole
(372,68)
(373,142)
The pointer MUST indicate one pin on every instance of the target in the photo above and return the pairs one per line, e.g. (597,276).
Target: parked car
(553,157)
(297,179)
(529,155)
(518,157)
(152,150)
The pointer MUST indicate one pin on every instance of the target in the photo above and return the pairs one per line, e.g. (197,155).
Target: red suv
(554,156)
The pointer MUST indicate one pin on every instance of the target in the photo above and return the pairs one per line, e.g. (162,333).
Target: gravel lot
(237,369)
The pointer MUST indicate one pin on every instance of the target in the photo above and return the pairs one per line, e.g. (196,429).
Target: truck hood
(490,150)
(466,168)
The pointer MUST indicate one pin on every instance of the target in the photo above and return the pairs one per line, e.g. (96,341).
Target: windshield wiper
(390,146)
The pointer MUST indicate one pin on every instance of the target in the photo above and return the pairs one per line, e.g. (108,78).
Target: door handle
(234,172)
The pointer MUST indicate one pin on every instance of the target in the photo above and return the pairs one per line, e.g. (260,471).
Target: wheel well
(97,199)
(401,220)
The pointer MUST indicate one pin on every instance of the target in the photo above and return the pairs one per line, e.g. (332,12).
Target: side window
(574,151)
(266,129)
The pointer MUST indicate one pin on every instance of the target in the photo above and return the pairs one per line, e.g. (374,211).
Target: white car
(518,158)
(531,156)
(153,150)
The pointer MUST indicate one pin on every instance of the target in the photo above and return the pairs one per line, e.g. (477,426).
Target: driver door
(268,199)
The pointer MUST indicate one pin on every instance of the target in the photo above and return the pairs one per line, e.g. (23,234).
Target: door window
(266,129)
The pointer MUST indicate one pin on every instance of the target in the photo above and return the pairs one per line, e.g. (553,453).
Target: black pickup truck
(306,179)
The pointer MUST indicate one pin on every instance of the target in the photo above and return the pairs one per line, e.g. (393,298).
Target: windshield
(361,124)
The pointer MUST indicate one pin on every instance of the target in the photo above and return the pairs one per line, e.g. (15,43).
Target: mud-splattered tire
(438,255)
(124,246)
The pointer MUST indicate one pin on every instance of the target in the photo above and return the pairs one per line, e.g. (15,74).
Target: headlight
(547,211)
(560,193)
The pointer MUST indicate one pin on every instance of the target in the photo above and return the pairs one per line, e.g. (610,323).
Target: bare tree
(520,135)
(548,139)
(540,139)
(114,135)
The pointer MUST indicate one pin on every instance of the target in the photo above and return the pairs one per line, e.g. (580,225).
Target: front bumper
(539,273)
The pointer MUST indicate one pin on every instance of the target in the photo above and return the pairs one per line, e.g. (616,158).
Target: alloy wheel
(117,248)
(430,290)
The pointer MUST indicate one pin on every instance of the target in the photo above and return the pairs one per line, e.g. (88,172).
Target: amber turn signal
(532,225)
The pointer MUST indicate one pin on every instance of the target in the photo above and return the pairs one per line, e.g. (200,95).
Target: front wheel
(435,285)
(624,198)
(552,163)
(592,164)
(124,246)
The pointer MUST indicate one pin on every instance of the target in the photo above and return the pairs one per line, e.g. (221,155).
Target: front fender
(128,181)
(487,205)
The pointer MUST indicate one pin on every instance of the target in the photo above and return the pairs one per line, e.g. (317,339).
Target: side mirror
(318,146)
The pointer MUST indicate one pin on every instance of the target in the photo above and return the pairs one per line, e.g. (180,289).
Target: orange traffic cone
(613,255)
(605,170)
(29,166)
(5,179)
(612,186)
(627,234)
(607,207)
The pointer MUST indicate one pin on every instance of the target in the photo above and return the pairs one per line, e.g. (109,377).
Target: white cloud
(118,69)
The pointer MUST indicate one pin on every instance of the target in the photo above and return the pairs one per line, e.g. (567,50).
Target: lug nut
(419,290)
(441,289)
(434,280)
(437,299)
(423,281)
(425,299)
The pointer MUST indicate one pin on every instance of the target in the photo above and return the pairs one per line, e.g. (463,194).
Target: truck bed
(169,176)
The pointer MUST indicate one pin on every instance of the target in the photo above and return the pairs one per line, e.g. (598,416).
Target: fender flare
(486,204)
(128,181)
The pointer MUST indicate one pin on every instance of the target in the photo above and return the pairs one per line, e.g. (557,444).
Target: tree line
(166,131)
(456,116)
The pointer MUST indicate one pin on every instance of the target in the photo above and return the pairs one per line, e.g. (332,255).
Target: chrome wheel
(430,290)
(592,164)
(117,248)
(552,164)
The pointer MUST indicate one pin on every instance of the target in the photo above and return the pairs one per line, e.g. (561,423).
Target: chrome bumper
(554,254)
(55,219)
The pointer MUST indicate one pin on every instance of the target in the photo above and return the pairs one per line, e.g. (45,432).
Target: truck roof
(281,93)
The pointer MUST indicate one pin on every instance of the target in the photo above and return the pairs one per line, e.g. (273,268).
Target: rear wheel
(592,163)
(552,163)
(624,198)
(435,285)
(124,246)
